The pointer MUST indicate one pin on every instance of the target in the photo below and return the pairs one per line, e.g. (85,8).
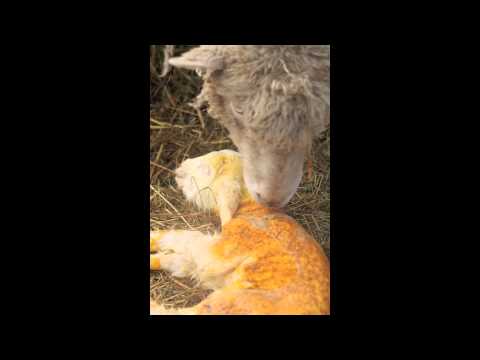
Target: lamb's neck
(249,206)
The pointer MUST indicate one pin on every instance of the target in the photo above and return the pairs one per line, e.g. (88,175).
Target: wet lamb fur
(263,262)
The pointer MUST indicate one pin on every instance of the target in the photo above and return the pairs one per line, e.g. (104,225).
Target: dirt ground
(178,132)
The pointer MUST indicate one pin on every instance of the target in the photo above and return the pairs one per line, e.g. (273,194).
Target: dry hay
(178,132)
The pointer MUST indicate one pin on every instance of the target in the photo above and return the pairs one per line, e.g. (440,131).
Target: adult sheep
(273,99)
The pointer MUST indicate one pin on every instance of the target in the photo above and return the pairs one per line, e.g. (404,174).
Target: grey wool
(278,95)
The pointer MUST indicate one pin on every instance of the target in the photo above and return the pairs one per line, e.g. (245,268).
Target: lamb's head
(214,181)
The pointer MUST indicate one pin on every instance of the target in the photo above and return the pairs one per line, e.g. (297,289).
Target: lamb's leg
(229,302)
(179,251)
(189,253)
(155,236)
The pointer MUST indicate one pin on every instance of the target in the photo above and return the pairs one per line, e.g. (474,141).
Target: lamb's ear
(228,201)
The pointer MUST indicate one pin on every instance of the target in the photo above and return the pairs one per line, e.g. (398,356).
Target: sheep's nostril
(259,197)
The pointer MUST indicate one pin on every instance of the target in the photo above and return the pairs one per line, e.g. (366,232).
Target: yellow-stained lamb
(263,262)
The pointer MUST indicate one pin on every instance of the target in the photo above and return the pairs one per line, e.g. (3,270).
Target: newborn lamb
(263,262)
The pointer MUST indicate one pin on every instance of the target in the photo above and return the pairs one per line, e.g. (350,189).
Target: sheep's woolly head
(273,99)
(272,91)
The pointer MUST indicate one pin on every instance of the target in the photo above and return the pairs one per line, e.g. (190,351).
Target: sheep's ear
(207,65)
